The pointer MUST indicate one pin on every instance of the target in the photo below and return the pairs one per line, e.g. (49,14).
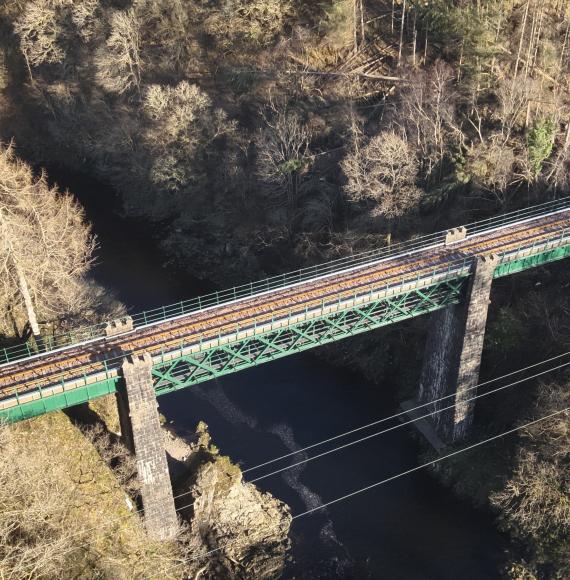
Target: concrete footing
(140,426)
(453,355)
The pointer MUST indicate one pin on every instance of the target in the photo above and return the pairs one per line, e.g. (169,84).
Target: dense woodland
(258,135)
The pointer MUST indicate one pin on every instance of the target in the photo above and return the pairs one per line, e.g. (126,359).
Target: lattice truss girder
(228,358)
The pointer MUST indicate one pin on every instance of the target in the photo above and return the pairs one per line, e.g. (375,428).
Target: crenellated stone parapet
(115,327)
(455,235)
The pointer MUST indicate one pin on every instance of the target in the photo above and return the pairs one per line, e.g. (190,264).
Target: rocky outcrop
(234,530)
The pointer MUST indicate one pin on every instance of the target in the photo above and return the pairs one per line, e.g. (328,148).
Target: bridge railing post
(17,395)
(517,253)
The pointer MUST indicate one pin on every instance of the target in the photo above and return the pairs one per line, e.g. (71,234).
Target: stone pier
(453,354)
(142,433)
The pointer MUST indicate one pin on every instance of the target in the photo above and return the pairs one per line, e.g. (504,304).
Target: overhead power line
(432,462)
(403,424)
(400,414)
(386,480)
(394,416)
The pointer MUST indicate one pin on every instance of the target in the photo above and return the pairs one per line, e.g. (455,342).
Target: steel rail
(335,293)
(368,264)
(84,335)
(447,266)
(238,320)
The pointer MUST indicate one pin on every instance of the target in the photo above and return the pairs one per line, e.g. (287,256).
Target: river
(411,528)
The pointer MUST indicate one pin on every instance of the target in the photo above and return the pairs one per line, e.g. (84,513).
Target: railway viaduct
(146,355)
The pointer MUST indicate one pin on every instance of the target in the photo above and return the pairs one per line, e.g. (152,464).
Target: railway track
(79,360)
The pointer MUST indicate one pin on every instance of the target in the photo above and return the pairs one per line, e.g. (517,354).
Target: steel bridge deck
(248,331)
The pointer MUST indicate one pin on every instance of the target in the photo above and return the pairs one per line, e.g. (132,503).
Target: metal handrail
(454,269)
(218,298)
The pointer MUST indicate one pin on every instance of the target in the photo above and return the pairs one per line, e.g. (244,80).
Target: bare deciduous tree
(45,246)
(84,17)
(534,501)
(252,22)
(118,62)
(491,167)
(182,127)
(283,154)
(427,112)
(383,170)
(513,100)
(40,33)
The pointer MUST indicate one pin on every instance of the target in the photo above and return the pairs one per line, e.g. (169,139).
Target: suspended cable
(400,414)
(386,480)
(140,511)
(403,424)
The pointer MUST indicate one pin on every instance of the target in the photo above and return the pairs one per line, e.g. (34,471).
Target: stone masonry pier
(453,355)
(140,426)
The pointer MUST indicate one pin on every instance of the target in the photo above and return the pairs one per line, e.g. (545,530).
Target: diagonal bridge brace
(220,360)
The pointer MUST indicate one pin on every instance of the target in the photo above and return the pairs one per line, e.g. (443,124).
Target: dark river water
(411,528)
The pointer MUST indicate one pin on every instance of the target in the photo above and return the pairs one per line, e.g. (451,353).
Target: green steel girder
(518,265)
(230,357)
(56,402)
(227,358)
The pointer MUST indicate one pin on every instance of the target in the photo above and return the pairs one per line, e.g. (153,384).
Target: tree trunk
(521,41)
(355,25)
(402,32)
(362,35)
(415,40)
(562,51)
(30,311)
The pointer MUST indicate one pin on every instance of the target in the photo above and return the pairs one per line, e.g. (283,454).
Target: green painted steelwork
(193,363)
(223,359)
(519,265)
(58,401)
(157,315)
